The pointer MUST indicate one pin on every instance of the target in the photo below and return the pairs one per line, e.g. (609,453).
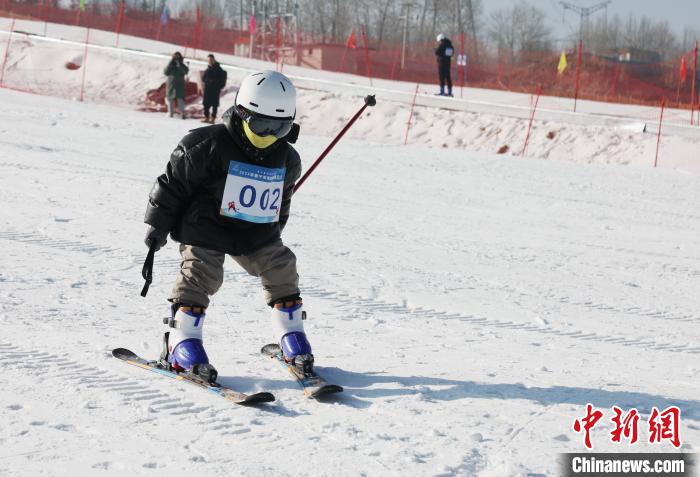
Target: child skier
(227,190)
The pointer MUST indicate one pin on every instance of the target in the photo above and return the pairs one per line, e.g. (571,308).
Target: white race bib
(253,193)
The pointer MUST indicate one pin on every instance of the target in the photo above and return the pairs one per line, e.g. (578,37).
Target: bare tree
(519,29)
(604,34)
(647,34)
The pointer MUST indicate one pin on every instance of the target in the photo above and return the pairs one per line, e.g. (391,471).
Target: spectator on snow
(213,80)
(444,53)
(175,86)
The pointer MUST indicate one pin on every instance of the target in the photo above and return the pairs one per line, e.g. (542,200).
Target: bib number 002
(249,196)
(252,193)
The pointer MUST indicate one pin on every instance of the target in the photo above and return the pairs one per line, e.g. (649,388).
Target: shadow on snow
(363,387)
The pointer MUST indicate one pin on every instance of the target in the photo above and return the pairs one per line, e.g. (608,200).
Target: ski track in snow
(350,303)
(467,342)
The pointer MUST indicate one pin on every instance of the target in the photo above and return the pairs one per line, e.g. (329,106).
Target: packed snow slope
(475,120)
(470,304)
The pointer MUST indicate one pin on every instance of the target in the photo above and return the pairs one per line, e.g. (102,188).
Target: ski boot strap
(287,303)
(189,309)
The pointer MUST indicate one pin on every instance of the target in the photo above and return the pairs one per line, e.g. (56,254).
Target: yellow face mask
(261,142)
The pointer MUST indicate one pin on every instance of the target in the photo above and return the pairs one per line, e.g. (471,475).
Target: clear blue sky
(678,13)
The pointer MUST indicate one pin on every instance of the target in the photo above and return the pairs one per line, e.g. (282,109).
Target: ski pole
(369,101)
(147,270)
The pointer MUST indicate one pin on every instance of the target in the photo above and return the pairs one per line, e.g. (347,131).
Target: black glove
(155,236)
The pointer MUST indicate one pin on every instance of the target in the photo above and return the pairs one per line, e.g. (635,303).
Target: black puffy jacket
(187,199)
(444,52)
(214,80)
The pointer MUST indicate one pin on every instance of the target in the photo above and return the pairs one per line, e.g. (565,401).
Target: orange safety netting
(601,78)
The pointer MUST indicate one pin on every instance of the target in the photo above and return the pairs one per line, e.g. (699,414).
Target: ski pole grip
(147,270)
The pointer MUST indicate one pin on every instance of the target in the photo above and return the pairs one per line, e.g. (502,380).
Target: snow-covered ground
(470,304)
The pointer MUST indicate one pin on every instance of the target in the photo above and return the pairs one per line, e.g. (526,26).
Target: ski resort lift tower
(275,36)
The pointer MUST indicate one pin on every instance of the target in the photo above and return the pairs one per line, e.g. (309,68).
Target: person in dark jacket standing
(213,80)
(175,85)
(227,190)
(444,53)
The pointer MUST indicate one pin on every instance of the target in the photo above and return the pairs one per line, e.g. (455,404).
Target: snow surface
(470,303)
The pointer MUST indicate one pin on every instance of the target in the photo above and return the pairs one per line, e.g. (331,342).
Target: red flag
(352,40)
(684,69)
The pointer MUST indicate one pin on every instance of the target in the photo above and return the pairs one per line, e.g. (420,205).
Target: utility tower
(276,34)
(584,12)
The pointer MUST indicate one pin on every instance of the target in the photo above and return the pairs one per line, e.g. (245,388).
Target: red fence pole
(395,61)
(578,72)
(678,90)
(410,115)
(202,30)
(278,43)
(695,75)
(464,67)
(532,117)
(369,68)
(658,137)
(197,26)
(251,30)
(82,85)
(7,52)
(46,14)
(119,20)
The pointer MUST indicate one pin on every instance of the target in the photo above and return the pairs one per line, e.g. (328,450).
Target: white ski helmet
(268,93)
(440,37)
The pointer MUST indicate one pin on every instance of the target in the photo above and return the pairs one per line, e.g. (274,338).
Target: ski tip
(257,398)
(123,353)
(270,349)
(326,390)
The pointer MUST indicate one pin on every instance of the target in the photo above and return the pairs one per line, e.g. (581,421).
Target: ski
(225,392)
(314,385)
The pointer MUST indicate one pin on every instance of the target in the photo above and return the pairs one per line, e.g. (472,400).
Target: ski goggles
(265,125)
